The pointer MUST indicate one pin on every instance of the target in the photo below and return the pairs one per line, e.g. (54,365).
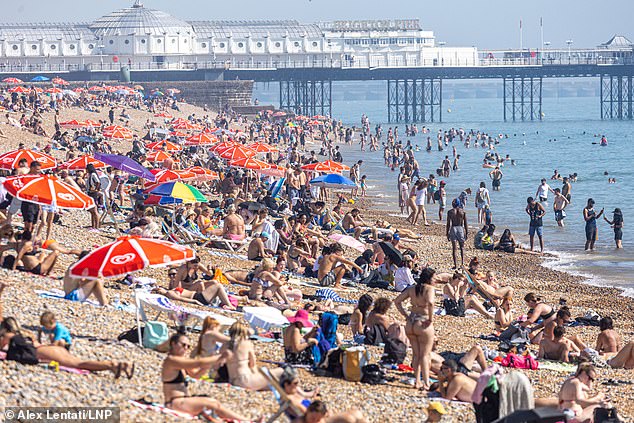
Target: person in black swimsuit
(175,370)
(30,260)
(591,216)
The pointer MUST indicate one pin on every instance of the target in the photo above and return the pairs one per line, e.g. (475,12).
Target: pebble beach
(95,329)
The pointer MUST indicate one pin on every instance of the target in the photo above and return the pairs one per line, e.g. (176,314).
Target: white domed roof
(139,20)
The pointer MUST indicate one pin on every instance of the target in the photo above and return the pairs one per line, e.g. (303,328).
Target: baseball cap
(443,183)
(437,407)
(265,234)
(396,237)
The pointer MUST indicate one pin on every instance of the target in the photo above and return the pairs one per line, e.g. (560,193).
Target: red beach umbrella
(203,174)
(74,124)
(157,156)
(248,163)
(262,147)
(163,115)
(59,81)
(20,90)
(53,90)
(48,190)
(12,81)
(237,152)
(187,126)
(83,162)
(129,254)
(10,160)
(164,145)
(326,166)
(201,139)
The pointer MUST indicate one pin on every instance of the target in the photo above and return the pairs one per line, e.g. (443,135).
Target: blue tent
(40,79)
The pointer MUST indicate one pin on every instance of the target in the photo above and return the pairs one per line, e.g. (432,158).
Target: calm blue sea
(563,141)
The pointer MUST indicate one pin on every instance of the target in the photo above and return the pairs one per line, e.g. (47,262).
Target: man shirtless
(352,223)
(453,384)
(559,204)
(257,251)
(332,267)
(233,225)
(559,348)
(457,230)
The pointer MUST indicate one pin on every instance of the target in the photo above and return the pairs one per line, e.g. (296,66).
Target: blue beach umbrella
(85,138)
(333,180)
(40,78)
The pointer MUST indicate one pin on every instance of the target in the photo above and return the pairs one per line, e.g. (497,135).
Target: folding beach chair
(280,396)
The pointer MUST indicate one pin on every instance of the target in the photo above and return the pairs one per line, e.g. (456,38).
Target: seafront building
(151,39)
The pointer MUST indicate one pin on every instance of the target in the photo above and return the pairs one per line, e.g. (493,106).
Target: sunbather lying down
(206,297)
(266,282)
(317,412)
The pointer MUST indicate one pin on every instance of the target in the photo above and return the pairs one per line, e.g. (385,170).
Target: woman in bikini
(187,276)
(174,372)
(30,260)
(239,355)
(48,353)
(210,337)
(299,255)
(266,285)
(359,315)
(419,327)
(297,347)
(573,396)
(211,291)
(503,315)
(538,310)
(300,399)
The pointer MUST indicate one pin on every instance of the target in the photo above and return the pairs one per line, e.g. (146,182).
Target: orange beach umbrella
(326,166)
(82,162)
(11,159)
(164,145)
(48,190)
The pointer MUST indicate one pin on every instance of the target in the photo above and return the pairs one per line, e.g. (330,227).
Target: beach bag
(373,374)
(353,360)
(520,361)
(437,195)
(606,415)
(374,335)
(394,352)
(131,335)
(21,349)
(453,307)
(155,334)
(332,363)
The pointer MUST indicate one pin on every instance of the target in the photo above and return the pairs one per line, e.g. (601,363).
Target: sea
(567,139)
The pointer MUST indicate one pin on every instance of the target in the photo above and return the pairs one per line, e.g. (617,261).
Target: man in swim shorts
(457,230)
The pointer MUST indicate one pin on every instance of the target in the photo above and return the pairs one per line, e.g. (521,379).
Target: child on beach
(58,334)
(363,186)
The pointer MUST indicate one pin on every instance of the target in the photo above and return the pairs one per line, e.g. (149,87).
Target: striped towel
(227,255)
(329,294)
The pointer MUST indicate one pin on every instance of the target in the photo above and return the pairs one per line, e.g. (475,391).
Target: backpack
(155,333)
(375,335)
(21,349)
(520,361)
(437,195)
(353,360)
(131,335)
(394,352)
(479,197)
(453,307)
(332,363)
(373,374)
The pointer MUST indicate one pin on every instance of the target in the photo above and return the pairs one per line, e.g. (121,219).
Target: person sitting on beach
(210,338)
(377,322)
(353,224)
(174,372)
(299,256)
(264,284)
(574,399)
(608,340)
(187,276)
(57,333)
(558,348)
(403,277)
(234,228)
(77,289)
(454,385)
(257,251)
(538,310)
(300,399)
(297,347)
(477,239)
(317,412)
(30,260)
(239,356)
(503,315)
(359,317)
(332,266)
(12,335)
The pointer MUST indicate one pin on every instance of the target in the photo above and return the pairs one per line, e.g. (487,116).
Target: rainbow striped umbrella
(179,190)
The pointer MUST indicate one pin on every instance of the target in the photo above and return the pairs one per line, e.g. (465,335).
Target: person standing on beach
(482,199)
(566,189)
(535,211)
(591,216)
(457,230)
(496,176)
(617,225)
(442,199)
(559,204)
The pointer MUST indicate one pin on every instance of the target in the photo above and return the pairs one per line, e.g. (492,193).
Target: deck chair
(280,396)
(480,292)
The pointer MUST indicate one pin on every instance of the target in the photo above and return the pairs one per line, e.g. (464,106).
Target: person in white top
(403,278)
(542,191)
(482,199)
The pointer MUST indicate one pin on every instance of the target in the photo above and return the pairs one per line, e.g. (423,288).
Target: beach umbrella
(179,134)
(326,166)
(222,146)
(279,114)
(203,174)
(48,190)
(111,128)
(348,241)
(157,156)
(37,89)
(118,134)
(536,415)
(201,139)
(210,130)
(157,200)
(54,90)
(11,159)
(163,115)
(73,124)
(60,81)
(179,190)
(187,126)
(12,81)
(85,138)
(237,152)
(395,256)
(333,180)
(82,162)
(20,90)
(126,164)
(80,90)
(250,163)
(164,145)
(110,88)
(129,254)
(97,88)
(262,147)
(167,175)
(92,123)
(40,78)
(139,87)
(274,170)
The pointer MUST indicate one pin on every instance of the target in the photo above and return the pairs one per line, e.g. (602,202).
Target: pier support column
(306,97)
(522,98)
(414,100)
(616,97)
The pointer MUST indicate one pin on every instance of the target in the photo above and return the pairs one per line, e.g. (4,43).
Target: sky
(486,24)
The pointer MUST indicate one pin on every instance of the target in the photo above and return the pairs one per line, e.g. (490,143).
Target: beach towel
(219,253)
(178,312)
(264,317)
(557,366)
(329,294)
(58,294)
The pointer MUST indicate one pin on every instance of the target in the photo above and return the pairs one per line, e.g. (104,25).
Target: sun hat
(302,317)
(437,407)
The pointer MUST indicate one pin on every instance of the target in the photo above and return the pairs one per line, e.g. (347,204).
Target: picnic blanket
(178,312)
(264,317)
